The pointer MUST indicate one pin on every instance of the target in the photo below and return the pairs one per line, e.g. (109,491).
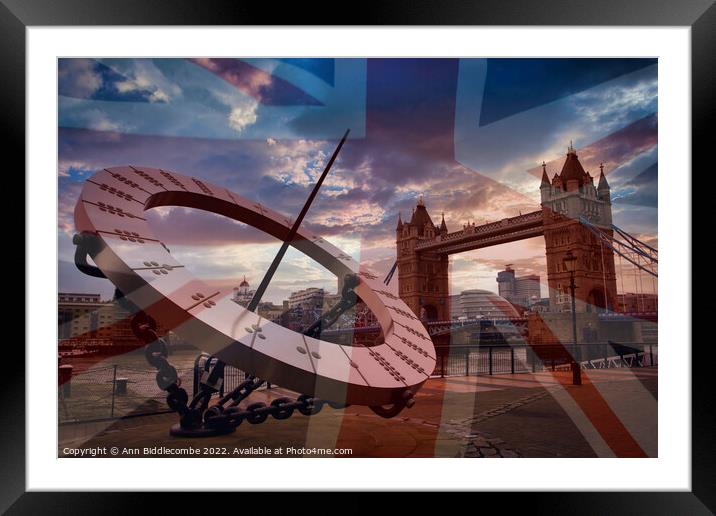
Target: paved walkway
(614,413)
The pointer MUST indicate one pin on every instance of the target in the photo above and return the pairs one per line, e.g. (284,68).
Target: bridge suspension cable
(643,256)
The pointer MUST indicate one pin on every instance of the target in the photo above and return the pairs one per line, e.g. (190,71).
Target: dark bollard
(576,373)
(120,387)
(65,381)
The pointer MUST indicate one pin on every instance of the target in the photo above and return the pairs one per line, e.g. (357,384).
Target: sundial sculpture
(109,217)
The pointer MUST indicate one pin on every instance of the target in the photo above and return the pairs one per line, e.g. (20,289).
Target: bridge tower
(422,276)
(569,195)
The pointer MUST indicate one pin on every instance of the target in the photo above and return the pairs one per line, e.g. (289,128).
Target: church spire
(443,226)
(400,222)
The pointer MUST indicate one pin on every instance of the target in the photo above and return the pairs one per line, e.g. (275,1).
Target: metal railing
(502,359)
(111,392)
(523,358)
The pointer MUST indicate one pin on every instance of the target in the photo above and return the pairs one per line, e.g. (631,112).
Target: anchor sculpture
(113,232)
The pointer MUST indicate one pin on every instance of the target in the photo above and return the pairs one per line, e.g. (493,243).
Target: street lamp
(570,262)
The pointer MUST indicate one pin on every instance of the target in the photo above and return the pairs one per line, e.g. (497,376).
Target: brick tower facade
(422,276)
(569,195)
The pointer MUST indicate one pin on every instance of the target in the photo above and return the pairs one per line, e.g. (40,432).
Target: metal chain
(155,353)
(226,413)
(256,413)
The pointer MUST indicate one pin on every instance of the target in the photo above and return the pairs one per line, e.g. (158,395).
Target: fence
(113,392)
(522,358)
(123,391)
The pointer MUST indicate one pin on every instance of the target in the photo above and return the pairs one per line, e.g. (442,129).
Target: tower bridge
(575,216)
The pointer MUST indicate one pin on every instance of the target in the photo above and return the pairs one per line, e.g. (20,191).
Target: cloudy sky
(469,135)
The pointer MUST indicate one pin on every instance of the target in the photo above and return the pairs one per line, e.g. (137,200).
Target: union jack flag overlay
(468,141)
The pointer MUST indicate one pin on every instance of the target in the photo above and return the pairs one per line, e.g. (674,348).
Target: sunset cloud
(408,150)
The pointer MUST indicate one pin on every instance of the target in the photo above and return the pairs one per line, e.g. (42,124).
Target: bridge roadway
(494,233)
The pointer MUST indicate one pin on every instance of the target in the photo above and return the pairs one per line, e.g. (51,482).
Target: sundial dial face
(112,205)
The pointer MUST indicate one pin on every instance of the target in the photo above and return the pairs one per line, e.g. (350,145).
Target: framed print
(357,257)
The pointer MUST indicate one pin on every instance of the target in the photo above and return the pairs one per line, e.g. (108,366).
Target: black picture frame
(700,15)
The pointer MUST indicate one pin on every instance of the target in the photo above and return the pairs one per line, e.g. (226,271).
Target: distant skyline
(469,135)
